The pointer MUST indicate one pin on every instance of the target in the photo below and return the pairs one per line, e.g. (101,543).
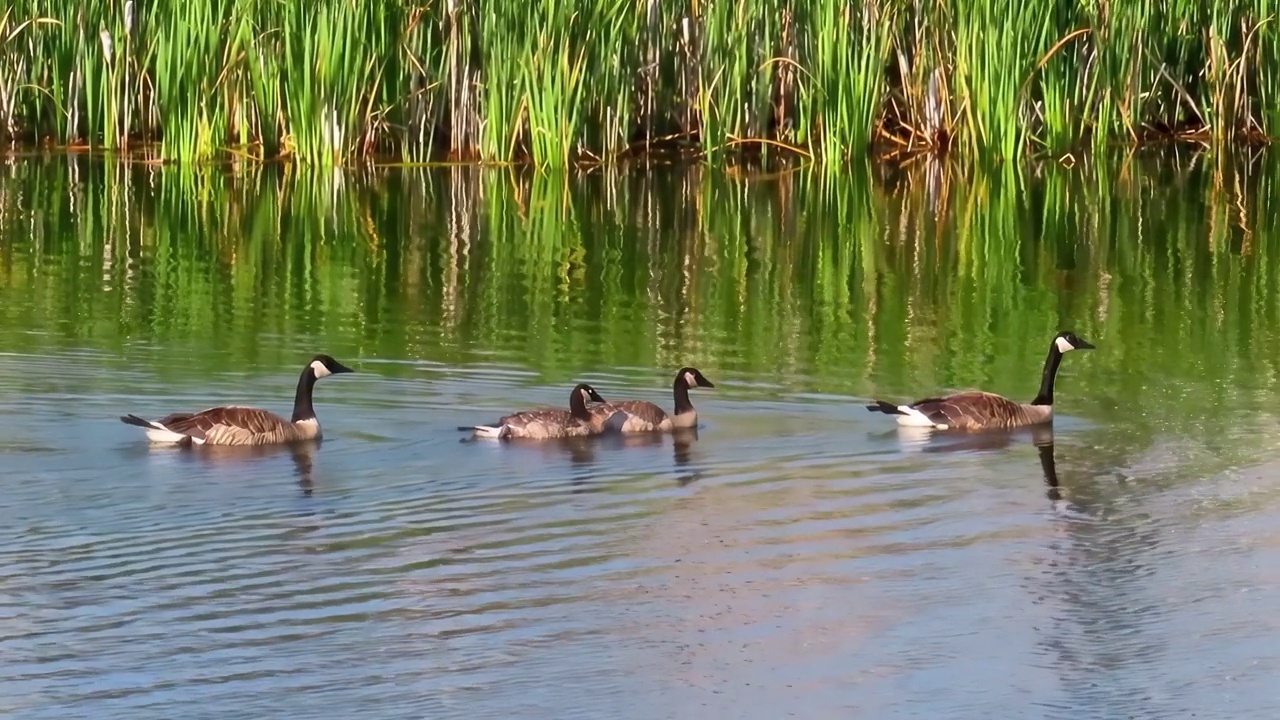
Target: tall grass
(335,82)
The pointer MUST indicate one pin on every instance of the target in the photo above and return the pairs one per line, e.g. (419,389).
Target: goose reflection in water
(926,441)
(227,456)
(682,440)
(584,452)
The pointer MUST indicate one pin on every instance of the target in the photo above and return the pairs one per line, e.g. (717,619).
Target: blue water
(800,558)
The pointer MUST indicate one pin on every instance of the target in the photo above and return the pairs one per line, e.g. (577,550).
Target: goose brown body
(545,424)
(979,410)
(643,416)
(550,423)
(239,425)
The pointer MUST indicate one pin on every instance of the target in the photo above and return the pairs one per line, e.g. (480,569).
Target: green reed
(846,49)
(340,82)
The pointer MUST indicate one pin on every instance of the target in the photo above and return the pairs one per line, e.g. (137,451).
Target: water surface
(798,557)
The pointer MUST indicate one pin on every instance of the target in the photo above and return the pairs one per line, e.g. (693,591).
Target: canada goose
(240,425)
(978,410)
(644,416)
(548,423)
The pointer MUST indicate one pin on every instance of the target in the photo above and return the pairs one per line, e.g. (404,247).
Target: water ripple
(791,552)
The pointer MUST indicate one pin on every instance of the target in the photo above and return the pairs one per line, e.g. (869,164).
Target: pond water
(801,557)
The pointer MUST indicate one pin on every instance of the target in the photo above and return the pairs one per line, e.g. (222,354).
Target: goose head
(1066,341)
(578,399)
(587,393)
(324,365)
(692,377)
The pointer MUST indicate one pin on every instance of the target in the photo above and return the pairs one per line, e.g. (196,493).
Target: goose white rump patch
(914,418)
(158,433)
(488,431)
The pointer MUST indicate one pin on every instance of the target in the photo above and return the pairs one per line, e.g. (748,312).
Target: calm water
(800,558)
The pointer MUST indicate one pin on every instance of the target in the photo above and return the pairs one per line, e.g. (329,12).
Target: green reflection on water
(896,284)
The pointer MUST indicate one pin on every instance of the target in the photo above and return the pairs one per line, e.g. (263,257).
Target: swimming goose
(978,410)
(240,425)
(548,423)
(644,416)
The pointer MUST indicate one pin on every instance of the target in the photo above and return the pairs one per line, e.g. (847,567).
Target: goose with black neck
(644,416)
(241,425)
(980,410)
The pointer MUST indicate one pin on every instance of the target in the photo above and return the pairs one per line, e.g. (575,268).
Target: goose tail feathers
(886,408)
(489,431)
(156,432)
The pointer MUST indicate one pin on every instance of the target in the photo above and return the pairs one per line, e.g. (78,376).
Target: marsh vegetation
(553,83)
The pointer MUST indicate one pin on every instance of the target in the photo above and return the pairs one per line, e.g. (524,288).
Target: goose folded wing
(251,421)
(540,416)
(545,424)
(642,409)
(976,409)
(641,413)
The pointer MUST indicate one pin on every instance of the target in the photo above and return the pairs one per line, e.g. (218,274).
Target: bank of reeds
(555,83)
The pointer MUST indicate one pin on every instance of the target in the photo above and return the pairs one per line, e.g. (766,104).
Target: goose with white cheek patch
(548,423)
(240,425)
(644,416)
(978,410)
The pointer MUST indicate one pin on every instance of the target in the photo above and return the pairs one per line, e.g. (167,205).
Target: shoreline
(147,154)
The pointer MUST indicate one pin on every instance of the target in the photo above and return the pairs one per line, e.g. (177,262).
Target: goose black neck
(578,406)
(1051,364)
(681,391)
(302,408)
